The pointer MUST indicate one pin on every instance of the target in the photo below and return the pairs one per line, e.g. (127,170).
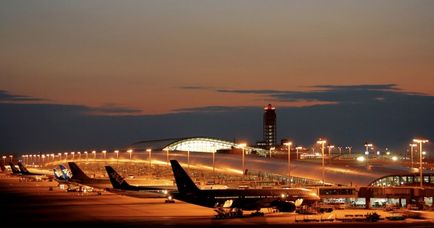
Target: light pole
(367,145)
(420,141)
(271,150)
(66,155)
(60,156)
(213,163)
(117,155)
(330,147)
(104,152)
(130,151)
(79,155)
(349,149)
(73,155)
(242,146)
(188,160)
(167,155)
(94,154)
(117,158)
(297,149)
(322,142)
(87,158)
(4,159)
(412,145)
(149,150)
(288,145)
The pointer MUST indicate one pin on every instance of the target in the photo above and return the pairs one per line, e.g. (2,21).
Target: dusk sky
(96,74)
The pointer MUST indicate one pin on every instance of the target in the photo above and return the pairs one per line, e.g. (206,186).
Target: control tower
(269,126)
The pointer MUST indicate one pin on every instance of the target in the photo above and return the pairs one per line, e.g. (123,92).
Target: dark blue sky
(353,114)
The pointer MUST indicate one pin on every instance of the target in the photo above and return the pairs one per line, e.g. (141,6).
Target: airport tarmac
(33,203)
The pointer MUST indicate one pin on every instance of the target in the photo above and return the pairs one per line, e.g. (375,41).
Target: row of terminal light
(322,142)
(242,146)
(395,158)
(59,155)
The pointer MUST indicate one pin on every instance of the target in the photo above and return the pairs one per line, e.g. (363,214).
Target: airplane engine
(285,206)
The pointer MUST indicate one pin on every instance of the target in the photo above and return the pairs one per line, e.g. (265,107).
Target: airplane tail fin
(57,176)
(13,168)
(64,173)
(77,173)
(184,183)
(117,180)
(23,168)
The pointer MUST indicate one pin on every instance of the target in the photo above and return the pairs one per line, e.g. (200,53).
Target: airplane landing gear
(223,213)
(257,213)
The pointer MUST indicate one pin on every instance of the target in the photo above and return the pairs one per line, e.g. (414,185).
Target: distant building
(269,127)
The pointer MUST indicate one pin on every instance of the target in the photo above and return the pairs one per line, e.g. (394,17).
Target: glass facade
(200,145)
(194,144)
(403,180)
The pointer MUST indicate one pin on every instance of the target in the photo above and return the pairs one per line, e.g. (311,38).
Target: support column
(367,203)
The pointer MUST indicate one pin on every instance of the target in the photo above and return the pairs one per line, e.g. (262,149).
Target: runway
(34,203)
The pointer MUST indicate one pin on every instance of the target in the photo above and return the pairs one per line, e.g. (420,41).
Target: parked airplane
(64,175)
(120,186)
(14,169)
(26,172)
(79,177)
(232,202)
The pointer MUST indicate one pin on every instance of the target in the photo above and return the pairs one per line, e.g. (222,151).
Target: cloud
(196,87)
(360,87)
(266,92)
(112,109)
(346,94)
(212,109)
(106,109)
(7,97)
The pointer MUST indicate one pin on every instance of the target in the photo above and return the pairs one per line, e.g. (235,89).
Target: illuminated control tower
(269,126)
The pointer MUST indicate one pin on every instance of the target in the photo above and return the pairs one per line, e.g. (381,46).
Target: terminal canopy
(192,144)
(209,145)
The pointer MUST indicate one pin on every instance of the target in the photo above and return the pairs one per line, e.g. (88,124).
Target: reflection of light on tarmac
(237,171)
(347,171)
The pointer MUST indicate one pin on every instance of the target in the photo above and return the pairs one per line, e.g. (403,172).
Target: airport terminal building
(194,144)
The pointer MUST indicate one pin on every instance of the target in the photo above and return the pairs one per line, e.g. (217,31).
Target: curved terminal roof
(351,174)
(193,144)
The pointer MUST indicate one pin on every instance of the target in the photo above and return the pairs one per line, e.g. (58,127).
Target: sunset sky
(137,60)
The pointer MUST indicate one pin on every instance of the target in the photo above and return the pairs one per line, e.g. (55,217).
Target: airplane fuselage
(247,199)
